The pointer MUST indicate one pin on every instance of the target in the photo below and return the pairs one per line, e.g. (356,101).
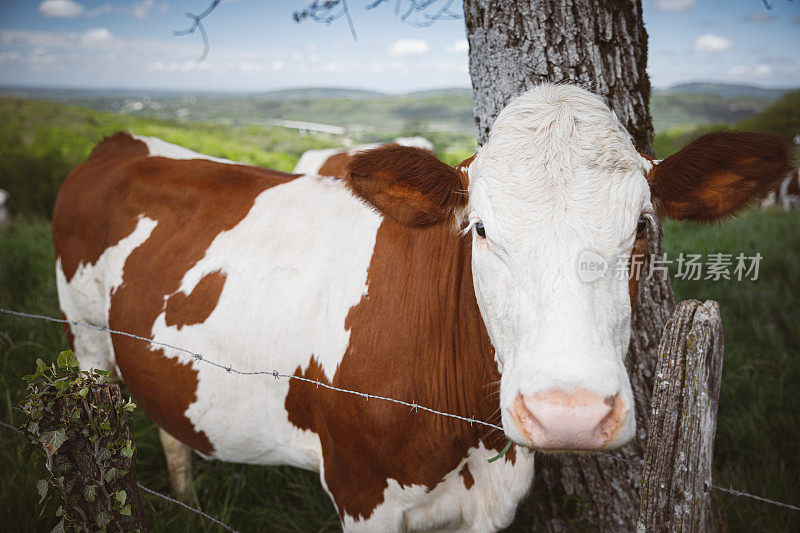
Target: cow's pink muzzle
(581,420)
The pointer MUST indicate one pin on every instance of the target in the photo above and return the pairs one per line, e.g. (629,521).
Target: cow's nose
(581,420)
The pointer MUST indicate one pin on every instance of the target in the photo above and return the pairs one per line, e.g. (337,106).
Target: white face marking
(558,176)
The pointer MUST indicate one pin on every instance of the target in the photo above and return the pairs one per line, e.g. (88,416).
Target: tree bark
(601,45)
(676,477)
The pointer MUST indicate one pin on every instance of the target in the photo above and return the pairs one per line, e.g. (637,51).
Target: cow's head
(559,176)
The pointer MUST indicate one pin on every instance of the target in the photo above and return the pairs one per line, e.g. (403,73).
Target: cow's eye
(480,230)
(641,227)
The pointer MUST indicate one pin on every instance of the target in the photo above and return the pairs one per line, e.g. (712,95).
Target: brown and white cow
(332,161)
(365,284)
(785,194)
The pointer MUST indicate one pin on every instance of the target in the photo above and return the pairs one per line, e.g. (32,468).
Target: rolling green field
(758,437)
(367,112)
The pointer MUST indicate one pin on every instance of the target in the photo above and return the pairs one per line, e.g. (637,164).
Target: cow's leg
(179,465)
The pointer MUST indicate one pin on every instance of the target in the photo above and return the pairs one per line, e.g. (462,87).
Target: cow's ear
(409,185)
(718,174)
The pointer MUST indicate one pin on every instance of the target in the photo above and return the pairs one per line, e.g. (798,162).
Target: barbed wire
(189,507)
(414,406)
(274,373)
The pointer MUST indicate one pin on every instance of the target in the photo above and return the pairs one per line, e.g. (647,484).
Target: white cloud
(710,42)
(60,9)
(178,66)
(460,46)
(9,56)
(675,5)
(737,71)
(408,47)
(96,36)
(762,70)
(759,71)
(142,9)
(41,56)
(100,10)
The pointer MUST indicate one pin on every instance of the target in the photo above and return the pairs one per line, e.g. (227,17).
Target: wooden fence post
(676,492)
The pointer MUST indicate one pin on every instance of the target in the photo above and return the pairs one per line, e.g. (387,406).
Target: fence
(676,492)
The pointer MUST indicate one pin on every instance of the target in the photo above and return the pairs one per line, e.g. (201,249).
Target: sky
(255,45)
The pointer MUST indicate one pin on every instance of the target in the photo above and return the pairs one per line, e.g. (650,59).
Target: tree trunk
(676,477)
(601,45)
(83,455)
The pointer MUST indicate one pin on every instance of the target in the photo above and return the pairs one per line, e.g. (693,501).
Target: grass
(757,448)
(758,437)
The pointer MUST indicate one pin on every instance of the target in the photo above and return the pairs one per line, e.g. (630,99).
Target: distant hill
(454,91)
(316,93)
(722,89)
(782,116)
(684,106)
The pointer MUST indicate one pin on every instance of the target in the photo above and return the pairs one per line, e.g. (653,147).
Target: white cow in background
(5,214)
(331,161)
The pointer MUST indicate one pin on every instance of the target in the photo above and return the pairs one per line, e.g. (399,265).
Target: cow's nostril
(580,420)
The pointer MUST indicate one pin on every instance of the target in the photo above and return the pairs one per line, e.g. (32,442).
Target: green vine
(71,419)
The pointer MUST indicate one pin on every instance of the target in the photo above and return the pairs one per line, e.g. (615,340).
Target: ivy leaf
(113,474)
(42,486)
(61,360)
(127,450)
(52,440)
(126,510)
(62,385)
(72,360)
(83,392)
(121,496)
(90,493)
(104,373)
(103,518)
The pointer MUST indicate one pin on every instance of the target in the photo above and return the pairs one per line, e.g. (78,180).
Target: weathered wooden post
(676,492)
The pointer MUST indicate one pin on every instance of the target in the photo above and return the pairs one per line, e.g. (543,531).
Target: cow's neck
(422,300)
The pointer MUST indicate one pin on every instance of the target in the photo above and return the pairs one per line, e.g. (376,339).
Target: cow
(785,194)
(455,288)
(332,161)
(5,212)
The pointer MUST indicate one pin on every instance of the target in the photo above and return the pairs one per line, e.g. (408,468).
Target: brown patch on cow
(334,165)
(467,475)
(419,337)
(192,201)
(406,184)
(719,174)
(194,308)
(68,332)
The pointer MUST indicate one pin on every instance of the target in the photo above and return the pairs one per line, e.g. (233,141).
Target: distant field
(366,112)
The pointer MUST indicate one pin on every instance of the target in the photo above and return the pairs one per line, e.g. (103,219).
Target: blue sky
(256,46)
